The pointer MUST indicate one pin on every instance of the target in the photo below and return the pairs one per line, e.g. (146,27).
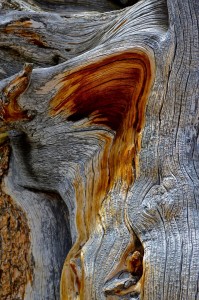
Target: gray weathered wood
(103,129)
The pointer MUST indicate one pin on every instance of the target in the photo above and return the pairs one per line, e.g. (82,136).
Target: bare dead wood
(127,207)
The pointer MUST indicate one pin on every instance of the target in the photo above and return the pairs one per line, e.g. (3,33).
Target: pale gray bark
(157,214)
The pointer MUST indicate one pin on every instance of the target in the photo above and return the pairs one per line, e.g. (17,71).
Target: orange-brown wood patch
(16,269)
(111,94)
(105,91)
(25,28)
(10,110)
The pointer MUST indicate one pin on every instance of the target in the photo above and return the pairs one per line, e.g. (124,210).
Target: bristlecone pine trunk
(99,165)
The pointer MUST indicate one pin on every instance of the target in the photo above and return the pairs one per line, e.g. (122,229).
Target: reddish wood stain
(105,91)
(134,264)
(9,108)
(110,93)
(120,25)
(25,29)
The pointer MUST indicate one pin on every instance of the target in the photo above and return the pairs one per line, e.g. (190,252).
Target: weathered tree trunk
(102,185)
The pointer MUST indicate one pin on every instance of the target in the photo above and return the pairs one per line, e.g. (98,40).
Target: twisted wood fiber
(78,177)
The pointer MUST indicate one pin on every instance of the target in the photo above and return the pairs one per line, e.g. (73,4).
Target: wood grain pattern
(10,109)
(25,28)
(112,94)
(106,168)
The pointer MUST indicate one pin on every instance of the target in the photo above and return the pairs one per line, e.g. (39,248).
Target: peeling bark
(16,265)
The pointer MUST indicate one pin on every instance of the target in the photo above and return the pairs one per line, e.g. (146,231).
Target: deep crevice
(125,282)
